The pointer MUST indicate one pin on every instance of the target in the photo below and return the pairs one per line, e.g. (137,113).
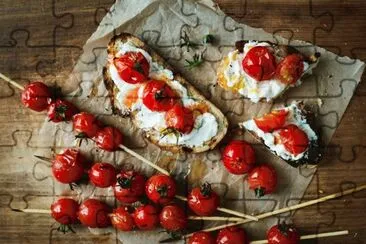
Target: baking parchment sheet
(161,23)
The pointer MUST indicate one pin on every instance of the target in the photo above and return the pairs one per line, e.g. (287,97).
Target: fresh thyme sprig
(185,41)
(195,62)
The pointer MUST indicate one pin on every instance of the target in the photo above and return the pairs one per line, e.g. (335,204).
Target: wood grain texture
(28,37)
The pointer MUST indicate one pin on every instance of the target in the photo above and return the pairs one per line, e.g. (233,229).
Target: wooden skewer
(13,83)
(215,218)
(32,210)
(312,236)
(287,209)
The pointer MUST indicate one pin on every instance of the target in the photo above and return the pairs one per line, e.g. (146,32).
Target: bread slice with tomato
(263,71)
(169,110)
(289,133)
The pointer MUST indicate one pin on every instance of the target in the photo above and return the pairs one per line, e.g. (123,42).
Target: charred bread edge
(112,90)
(314,154)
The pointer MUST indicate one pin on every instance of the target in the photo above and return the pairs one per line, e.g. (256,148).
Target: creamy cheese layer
(205,125)
(295,117)
(235,76)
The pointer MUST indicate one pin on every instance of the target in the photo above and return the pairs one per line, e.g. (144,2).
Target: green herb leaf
(195,62)
(185,41)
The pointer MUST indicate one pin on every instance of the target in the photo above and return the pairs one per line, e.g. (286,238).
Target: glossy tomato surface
(108,138)
(132,67)
(158,96)
(102,175)
(201,237)
(146,217)
(262,179)
(69,166)
(238,157)
(203,201)
(290,69)
(294,139)
(232,235)
(283,234)
(122,219)
(160,189)
(85,125)
(259,63)
(173,218)
(64,211)
(61,110)
(272,121)
(36,96)
(94,214)
(180,118)
(129,186)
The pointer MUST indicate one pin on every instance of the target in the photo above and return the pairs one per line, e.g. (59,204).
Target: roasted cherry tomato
(69,166)
(283,234)
(61,110)
(203,201)
(259,63)
(262,179)
(36,96)
(108,138)
(173,218)
(85,125)
(272,121)
(102,175)
(160,189)
(290,69)
(201,237)
(180,118)
(94,214)
(158,96)
(232,235)
(129,187)
(132,67)
(146,217)
(238,157)
(64,211)
(122,219)
(294,139)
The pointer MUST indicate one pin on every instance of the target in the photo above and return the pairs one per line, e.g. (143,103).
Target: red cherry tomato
(64,211)
(36,96)
(173,218)
(146,217)
(69,166)
(108,138)
(294,139)
(203,201)
(94,214)
(102,175)
(272,121)
(180,118)
(201,237)
(85,125)
(238,157)
(232,235)
(130,186)
(61,110)
(259,63)
(290,69)
(158,96)
(262,179)
(132,67)
(283,234)
(122,219)
(160,189)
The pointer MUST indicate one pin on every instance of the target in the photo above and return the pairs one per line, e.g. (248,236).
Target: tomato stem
(259,192)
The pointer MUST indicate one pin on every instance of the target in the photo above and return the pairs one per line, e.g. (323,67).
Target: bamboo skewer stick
(10,81)
(312,236)
(287,209)
(32,210)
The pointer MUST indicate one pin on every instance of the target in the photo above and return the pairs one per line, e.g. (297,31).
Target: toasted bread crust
(113,90)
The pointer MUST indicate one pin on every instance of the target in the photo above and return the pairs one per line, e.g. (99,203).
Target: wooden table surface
(42,40)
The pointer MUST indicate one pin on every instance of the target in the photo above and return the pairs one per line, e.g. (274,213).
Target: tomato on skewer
(36,96)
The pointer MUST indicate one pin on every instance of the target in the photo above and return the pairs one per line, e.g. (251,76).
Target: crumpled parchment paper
(160,24)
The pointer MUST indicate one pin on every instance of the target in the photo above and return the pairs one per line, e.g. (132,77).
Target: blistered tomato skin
(272,121)
(232,235)
(158,96)
(108,138)
(132,67)
(85,125)
(129,186)
(102,175)
(160,189)
(94,214)
(64,211)
(180,118)
(61,110)
(122,220)
(262,179)
(259,63)
(69,166)
(201,237)
(173,218)
(290,69)
(203,201)
(238,157)
(36,96)
(146,217)
(294,139)
(283,234)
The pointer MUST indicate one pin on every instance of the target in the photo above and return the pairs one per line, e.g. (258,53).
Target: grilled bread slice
(161,70)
